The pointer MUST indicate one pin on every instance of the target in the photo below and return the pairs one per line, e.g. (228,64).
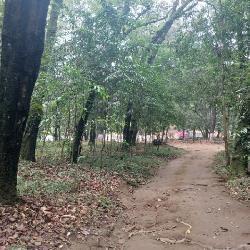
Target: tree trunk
(57,133)
(28,148)
(163,134)
(133,132)
(194,134)
(56,6)
(92,134)
(80,127)
(22,48)
(213,119)
(127,126)
(218,134)
(241,155)
(159,38)
(241,148)
(226,133)
(206,134)
(176,12)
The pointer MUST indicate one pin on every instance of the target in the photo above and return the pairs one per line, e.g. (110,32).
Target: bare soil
(185,206)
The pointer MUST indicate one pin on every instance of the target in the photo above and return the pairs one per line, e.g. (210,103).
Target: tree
(211,52)
(22,47)
(28,151)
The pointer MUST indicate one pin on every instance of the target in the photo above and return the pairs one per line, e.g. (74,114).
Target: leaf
(38,243)
(20,228)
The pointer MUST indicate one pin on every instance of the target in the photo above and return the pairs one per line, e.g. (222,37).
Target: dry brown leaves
(49,221)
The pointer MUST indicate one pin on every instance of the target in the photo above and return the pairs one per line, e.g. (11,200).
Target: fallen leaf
(223,229)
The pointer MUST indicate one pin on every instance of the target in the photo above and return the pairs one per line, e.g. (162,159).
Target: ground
(185,206)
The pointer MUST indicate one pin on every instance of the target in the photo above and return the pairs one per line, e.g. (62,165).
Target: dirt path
(185,198)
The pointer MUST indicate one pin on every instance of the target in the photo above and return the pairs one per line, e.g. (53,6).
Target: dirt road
(185,206)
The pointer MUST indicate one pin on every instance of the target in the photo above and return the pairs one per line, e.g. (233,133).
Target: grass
(165,152)
(134,166)
(228,172)
(59,197)
(235,177)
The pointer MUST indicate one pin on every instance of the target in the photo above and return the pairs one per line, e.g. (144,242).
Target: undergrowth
(60,199)
(135,166)
(235,177)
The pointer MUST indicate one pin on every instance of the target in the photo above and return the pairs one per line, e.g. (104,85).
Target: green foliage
(235,176)
(36,109)
(199,73)
(166,152)
(228,172)
(105,202)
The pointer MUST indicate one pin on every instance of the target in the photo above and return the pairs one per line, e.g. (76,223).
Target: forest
(96,96)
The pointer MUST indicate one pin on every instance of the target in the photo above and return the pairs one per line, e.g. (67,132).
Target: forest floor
(185,206)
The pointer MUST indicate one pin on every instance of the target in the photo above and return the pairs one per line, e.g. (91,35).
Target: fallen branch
(171,241)
(175,241)
(140,232)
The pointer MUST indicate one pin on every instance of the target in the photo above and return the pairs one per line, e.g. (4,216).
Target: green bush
(235,176)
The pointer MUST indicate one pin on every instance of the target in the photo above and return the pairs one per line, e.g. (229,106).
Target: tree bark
(241,154)
(133,132)
(158,39)
(242,138)
(194,134)
(92,134)
(81,125)
(127,126)
(160,36)
(206,134)
(213,119)
(22,48)
(226,133)
(29,139)
(57,133)
(56,6)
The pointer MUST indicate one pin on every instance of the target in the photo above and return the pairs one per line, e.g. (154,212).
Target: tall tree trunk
(241,148)
(226,133)
(81,125)
(241,155)
(194,134)
(176,12)
(206,134)
(22,48)
(159,39)
(218,134)
(225,115)
(163,134)
(28,141)
(57,133)
(213,119)
(92,134)
(56,6)
(127,126)
(133,132)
